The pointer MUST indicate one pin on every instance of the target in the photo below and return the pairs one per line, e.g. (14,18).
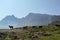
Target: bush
(34,26)
(25,27)
(40,26)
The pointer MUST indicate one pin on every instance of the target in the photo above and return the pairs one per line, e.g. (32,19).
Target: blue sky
(21,8)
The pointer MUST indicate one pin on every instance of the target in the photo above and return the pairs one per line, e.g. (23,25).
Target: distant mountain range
(32,19)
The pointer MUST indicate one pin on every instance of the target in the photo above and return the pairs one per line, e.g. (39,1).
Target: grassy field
(50,32)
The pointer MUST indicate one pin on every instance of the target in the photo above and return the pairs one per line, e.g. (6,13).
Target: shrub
(40,26)
(34,26)
(25,27)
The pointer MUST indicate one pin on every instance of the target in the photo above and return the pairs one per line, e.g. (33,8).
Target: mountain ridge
(32,19)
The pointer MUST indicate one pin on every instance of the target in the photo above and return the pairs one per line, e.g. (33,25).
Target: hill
(50,32)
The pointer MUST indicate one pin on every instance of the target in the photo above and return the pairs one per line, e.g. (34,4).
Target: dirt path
(8,30)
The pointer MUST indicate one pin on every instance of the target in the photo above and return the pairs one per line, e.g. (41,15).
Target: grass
(50,32)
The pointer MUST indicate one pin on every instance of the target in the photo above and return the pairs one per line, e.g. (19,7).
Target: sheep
(11,27)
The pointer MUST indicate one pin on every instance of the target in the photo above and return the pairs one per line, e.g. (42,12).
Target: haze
(21,8)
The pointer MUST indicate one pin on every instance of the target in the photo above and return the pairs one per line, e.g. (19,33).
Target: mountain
(32,19)
(36,19)
(9,20)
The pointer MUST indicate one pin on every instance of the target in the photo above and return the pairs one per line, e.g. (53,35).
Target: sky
(21,8)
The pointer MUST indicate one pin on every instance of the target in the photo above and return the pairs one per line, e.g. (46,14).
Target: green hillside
(50,32)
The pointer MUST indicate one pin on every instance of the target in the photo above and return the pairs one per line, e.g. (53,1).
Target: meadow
(50,32)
